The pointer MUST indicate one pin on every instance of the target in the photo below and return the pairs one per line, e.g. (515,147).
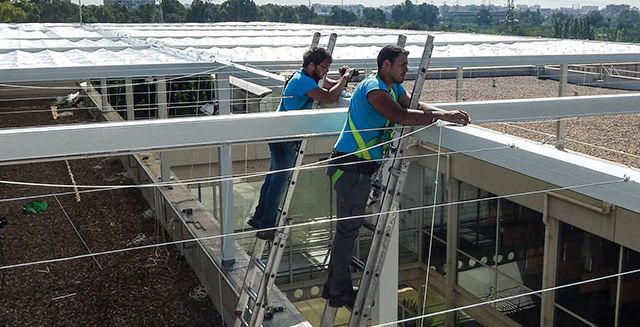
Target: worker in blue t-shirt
(300,92)
(378,102)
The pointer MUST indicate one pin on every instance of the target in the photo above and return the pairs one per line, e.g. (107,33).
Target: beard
(399,79)
(316,74)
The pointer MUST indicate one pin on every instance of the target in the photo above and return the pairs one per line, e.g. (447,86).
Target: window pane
(630,290)
(584,256)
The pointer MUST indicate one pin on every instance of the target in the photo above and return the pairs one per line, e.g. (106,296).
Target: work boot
(267,235)
(346,299)
(253,222)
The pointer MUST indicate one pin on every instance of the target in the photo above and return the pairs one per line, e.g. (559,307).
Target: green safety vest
(362,145)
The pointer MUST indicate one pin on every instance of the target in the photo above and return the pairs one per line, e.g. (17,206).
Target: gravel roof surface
(614,138)
(136,288)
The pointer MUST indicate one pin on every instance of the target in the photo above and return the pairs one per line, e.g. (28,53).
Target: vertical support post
(560,124)
(387,293)
(165,167)
(161,97)
(459,86)
(616,321)
(161,101)
(227,222)
(80,11)
(104,94)
(549,269)
(225,168)
(453,195)
(129,96)
(496,253)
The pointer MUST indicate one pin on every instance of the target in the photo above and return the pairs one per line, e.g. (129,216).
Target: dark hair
(390,52)
(316,56)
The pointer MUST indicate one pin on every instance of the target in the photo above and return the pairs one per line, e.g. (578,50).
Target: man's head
(393,62)
(316,62)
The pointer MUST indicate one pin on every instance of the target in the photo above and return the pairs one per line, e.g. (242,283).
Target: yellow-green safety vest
(362,145)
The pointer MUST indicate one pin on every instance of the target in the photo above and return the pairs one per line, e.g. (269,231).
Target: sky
(377,3)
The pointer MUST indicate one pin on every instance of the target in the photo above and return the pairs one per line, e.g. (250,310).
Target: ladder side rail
(277,250)
(330,46)
(382,235)
(259,245)
(279,243)
(249,279)
(329,313)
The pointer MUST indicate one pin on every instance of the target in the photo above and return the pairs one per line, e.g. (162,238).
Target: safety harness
(363,147)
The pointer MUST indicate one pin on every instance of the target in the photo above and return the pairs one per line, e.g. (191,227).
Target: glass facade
(439,217)
(584,256)
(500,251)
(630,290)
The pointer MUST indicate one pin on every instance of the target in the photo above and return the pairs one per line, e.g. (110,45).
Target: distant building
(614,10)
(325,10)
(588,9)
(129,4)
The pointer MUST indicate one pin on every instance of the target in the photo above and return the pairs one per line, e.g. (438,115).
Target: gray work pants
(352,191)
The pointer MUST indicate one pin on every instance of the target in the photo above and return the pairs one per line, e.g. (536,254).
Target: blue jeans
(283,156)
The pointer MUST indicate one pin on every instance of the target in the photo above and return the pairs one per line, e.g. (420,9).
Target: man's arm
(324,96)
(330,82)
(405,100)
(396,112)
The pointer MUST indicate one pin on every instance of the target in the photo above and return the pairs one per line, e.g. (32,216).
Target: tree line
(406,15)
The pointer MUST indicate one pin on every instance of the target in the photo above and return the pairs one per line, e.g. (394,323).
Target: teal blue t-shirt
(295,95)
(364,116)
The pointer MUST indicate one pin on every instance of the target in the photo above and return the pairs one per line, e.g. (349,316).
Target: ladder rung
(359,264)
(369,225)
(252,294)
(260,265)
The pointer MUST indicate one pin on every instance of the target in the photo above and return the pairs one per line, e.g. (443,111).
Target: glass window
(477,242)
(585,256)
(630,290)
(500,250)
(439,247)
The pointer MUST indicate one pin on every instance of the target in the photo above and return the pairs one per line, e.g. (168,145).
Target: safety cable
(315,222)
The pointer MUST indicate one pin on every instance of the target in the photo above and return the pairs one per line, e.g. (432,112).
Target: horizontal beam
(51,142)
(547,108)
(538,161)
(93,47)
(81,73)
(346,41)
(449,62)
(545,163)
(73,141)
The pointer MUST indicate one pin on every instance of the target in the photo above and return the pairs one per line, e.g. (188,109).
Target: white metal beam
(69,48)
(545,163)
(539,161)
(83,73)
(547,108)
(53,142)
(489,61)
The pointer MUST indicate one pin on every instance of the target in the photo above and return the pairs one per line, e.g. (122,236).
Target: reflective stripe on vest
(363,151)
(336,175)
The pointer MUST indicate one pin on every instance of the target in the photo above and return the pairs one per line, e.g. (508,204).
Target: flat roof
(25,48)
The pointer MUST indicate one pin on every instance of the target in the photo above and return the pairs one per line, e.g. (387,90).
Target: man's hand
(346,72)
(453,116)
